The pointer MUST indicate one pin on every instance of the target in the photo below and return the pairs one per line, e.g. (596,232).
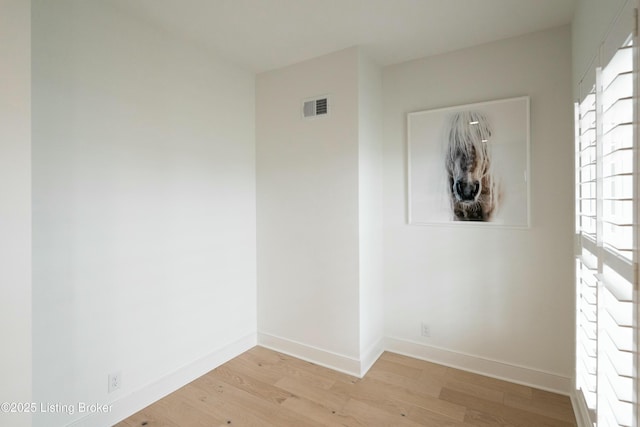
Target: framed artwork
(469,164)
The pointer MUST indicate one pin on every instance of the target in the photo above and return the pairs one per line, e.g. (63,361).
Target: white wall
(143,204)
(307,198)
(498,294)
(320,289)
(370,210)
(15,207)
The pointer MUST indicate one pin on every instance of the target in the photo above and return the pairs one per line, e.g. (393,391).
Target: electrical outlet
(115,381)
(426,330)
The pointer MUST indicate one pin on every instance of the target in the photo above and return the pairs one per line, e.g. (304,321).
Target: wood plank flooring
(265,388)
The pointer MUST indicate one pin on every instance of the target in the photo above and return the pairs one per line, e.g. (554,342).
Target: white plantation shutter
(615,351)
(587,155)
(586,352)
(586,262)
(615,294)
(617,151)
(606,226)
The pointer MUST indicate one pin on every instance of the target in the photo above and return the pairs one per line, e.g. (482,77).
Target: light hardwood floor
(265,388)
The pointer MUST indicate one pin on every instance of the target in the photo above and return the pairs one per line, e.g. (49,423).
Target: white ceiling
(268,34)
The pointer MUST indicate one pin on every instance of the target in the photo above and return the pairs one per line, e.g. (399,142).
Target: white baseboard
(143,397)
(580,410)
(370,356)
(328,359)
(492,368)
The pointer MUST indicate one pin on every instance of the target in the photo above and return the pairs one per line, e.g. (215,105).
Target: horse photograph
(469,164)
(472,188)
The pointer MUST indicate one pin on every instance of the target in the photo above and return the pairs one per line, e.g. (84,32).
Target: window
(606,228)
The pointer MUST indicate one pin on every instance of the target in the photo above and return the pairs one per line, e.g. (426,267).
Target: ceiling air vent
(315,107)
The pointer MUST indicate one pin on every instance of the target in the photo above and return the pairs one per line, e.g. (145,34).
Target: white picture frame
(469,165)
